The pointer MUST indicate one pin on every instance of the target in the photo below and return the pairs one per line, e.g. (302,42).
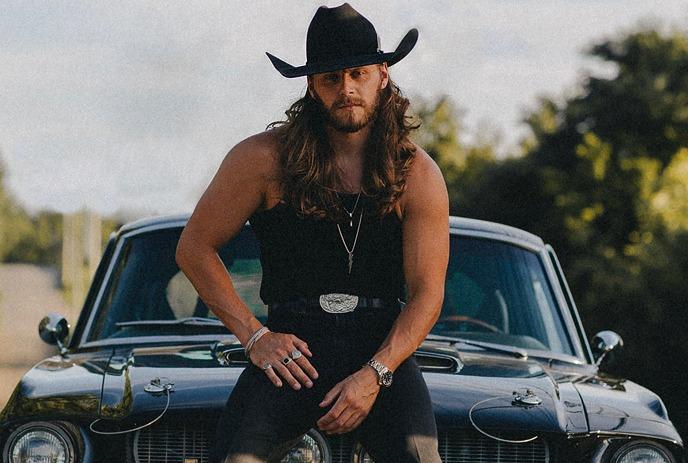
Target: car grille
(460,447)
(172,443)
(188,443)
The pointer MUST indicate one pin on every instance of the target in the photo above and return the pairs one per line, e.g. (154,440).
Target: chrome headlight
(311,449)
(40,442)
(642,452)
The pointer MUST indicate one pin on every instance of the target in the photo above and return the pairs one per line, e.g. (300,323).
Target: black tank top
(303,257)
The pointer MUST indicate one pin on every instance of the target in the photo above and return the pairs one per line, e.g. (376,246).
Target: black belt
(306,305)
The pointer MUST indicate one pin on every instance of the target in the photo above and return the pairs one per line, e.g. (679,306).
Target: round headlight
(641,452)
(39,443)
(311,449)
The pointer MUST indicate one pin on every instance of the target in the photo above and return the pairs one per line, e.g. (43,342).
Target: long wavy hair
(308,174)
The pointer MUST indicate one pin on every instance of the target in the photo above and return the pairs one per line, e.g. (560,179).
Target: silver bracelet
(255,337)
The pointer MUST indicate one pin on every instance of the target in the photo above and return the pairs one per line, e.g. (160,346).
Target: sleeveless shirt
(305,257)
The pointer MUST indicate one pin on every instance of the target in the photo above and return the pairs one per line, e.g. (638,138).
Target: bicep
(234,193)
(426,229)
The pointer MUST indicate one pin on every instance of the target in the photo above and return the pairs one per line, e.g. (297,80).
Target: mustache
(347,101)
(339,102)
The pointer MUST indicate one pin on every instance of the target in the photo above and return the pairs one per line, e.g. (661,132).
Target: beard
(347,120)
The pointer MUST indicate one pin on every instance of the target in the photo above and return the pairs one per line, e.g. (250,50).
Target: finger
(338,425)
(339,407)
(286,374)
(302,346)
(331,395)
(298,373)
(307,367)
(349,424)
(273,377)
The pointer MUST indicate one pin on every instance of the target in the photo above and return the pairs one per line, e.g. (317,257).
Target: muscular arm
(425,211)
(235,192)
(238,189)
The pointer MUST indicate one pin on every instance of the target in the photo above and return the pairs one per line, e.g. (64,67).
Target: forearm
(410,329)
(202,265)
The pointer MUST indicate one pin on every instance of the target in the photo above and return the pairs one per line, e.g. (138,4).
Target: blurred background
(567,118)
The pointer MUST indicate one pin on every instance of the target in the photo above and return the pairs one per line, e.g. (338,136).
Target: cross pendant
(351,261)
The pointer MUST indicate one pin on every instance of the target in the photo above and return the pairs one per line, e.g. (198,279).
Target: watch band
(384,374)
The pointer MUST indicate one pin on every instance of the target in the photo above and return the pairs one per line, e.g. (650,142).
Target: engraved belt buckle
(338,303)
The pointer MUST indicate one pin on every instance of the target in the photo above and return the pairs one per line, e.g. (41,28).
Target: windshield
(147,285)
(495,292)
(499,292)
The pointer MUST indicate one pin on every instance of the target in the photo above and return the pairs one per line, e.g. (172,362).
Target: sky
(128,108)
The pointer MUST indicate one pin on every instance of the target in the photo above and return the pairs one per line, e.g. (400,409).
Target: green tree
(34,238)
(462,164)
(14,221)
(603,177)
(608,177)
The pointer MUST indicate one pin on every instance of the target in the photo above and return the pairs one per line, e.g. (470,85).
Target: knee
(422,449)
(414,448)
(243,458)
(244,451)
(260,450)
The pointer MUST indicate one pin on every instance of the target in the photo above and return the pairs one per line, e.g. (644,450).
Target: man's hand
(272,348)
(355,395)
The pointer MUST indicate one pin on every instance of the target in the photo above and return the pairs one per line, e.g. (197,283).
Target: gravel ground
(27,293)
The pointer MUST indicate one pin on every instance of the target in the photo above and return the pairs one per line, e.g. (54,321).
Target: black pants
(261,422)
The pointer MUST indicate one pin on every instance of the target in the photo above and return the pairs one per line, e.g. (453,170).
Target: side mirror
(603,343)
(54,329)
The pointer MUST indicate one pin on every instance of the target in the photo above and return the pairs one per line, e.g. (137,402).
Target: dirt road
(27,293)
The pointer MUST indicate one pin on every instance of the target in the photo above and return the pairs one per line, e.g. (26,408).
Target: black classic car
(512,376)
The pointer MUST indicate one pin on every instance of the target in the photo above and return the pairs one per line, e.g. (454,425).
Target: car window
(499,292)
(495,292)
(148,285)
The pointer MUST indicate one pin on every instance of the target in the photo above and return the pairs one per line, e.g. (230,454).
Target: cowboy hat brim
(403,49)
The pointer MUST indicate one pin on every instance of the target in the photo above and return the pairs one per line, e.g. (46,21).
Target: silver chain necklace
(351,251)
(351,214)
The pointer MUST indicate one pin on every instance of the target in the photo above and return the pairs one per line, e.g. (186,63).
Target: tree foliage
(15,223)
(603,177)
(34,238)
(462,164)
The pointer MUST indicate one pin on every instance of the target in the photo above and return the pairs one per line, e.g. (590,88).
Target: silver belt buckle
(338,303)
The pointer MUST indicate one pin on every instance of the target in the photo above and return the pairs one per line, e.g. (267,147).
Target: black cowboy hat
(340,38)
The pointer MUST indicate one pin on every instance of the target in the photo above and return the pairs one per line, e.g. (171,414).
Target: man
(350,215)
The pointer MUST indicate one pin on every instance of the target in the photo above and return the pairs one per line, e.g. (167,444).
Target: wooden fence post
(81,250)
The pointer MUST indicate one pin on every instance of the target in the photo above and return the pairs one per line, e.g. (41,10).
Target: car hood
(468,389)
(619,405)
(59,386)
(481,385)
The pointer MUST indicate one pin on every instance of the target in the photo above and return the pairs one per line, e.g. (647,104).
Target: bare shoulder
(237,190)
(424,168)
(425,185)
(257,153)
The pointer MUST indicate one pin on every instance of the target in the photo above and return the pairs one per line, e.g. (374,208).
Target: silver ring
(286,360)
(296,354)
(267,366)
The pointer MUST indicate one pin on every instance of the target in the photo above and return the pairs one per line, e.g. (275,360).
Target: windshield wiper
(187,321)
(515,351)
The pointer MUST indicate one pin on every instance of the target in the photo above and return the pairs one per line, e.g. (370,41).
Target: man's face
(349,97)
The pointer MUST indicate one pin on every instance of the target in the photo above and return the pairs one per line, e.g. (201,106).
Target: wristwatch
(384,374)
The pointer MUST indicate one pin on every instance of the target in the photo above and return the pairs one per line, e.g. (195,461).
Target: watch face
(386,379)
